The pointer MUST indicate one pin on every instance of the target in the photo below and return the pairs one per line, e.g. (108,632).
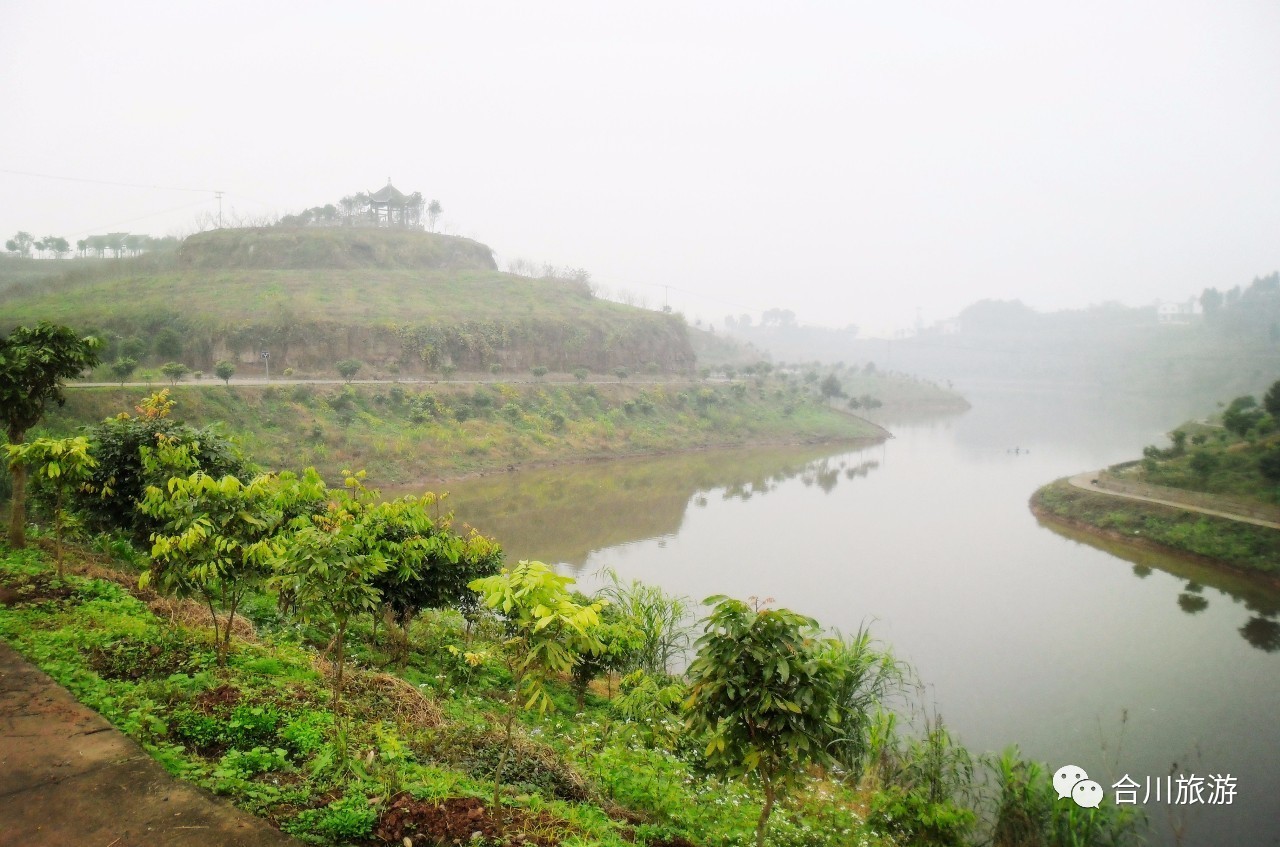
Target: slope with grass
(410,432)
(400,301)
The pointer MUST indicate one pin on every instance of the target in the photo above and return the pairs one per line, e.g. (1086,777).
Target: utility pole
(218,194)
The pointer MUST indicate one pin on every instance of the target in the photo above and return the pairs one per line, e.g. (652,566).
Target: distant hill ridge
(333,248)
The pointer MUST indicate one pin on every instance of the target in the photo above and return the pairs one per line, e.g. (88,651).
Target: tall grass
(663,619)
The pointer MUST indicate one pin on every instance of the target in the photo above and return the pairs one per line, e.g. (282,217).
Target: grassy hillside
(404,433)
(402,301)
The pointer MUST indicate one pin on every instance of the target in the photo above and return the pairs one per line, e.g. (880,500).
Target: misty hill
(1230,345)
(400,301)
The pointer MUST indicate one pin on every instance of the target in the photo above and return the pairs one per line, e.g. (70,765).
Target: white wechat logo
(1087,794)
(1071,781)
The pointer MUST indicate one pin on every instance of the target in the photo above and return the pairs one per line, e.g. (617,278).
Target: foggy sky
(850,161)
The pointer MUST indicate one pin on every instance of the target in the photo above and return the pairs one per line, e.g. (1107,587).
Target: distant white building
(1184,313)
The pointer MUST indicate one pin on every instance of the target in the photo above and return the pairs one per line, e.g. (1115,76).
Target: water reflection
(1256,595)
(563,514)
(1263,633)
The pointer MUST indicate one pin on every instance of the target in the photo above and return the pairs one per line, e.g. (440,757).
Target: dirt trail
(1085,481)
(67,777)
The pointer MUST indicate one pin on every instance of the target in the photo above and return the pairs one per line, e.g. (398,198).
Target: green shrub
(251,726)
(306,733)
(244,764)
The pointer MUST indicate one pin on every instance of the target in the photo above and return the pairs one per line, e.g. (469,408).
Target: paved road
(68,778)
(1084,481)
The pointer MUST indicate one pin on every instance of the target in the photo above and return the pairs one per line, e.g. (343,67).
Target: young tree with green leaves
(430,564)
(329,563)
(225,370)
(64,464)
(609,648)
(218,532)
(123,368)
(175,371)
(545,623)
(34,362)
(348,368)
(764,689)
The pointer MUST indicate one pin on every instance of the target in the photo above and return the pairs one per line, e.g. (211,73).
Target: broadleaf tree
(64,465)
(763,689)
(34,364)
(547,627)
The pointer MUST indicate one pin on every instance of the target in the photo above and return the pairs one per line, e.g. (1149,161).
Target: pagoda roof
(387,194)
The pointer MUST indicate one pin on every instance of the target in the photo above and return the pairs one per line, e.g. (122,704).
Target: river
(1116,659)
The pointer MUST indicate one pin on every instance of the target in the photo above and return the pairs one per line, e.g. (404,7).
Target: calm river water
(1023,634)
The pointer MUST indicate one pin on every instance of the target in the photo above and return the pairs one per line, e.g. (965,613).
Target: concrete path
(1084,481)
(68,778)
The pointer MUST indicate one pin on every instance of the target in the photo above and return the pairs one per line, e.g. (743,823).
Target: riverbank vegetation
(1236,453)
(265,611)
(1229,463)
(1244,546)
(405,432)
(444,723)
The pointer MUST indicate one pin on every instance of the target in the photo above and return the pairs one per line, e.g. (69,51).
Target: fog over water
(857,163)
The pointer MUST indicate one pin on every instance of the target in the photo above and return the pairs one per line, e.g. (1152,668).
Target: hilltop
(400,301)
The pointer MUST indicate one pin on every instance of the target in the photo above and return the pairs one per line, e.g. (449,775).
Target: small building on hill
(388,206)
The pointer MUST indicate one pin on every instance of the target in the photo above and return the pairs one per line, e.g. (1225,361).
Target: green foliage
(1028,811)
(64,465)
(1271,400)
(538,371)
(871,677)
(609,647)
(431,565)
(1203,463)
(351,817)
(1241,415)
(662,619)
(245,764)
(1269,464)
(927,780)
(175,371)
(225,370)
(328,563)
(34,363)
(547,624)
(123,368)
(348,368)
(306,733)
(910,816)
(217,535)
(121,478)
(764,688)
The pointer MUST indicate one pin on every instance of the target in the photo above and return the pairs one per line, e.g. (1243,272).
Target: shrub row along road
(68,777)
(1085,481)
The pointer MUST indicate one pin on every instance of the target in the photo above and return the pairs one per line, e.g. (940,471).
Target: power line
(107,182)
(139,218)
